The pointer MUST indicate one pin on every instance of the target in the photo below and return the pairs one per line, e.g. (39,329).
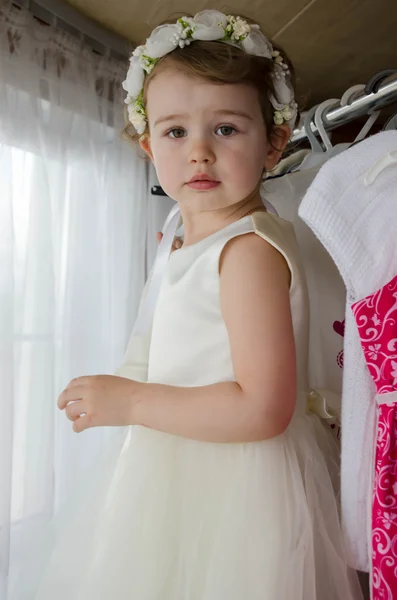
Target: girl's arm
(254,290)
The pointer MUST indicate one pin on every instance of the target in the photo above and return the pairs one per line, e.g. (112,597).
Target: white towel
(356,221)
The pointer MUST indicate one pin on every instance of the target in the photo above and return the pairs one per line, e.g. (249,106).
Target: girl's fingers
(159,236)
(69,395)
(74,410)
(82,423)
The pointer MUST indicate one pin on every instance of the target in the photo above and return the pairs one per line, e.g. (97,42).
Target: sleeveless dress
(169,518)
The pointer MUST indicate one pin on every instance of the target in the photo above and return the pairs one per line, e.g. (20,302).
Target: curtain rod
(99,38)
(360,106)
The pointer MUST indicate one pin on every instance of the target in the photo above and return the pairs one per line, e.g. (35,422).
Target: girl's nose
(201,153)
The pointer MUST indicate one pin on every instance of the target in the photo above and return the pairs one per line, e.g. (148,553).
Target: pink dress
(376,318)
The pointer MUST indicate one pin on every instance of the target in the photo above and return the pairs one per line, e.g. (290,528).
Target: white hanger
(319,122)
(391,123)
(318,156)
(314,143)
(317,159)
(347,98)
(350,94)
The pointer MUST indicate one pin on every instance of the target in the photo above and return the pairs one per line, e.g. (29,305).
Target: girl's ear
(144,142)
(278,141)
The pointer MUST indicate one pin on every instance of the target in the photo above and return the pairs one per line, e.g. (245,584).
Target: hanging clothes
(376,318)
(352,208)
(327,292)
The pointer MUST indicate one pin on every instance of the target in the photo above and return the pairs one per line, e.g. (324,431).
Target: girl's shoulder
(276,231)
(280,234)
(206,255)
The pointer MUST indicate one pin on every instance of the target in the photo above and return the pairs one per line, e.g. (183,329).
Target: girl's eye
(176,133)
(226,130)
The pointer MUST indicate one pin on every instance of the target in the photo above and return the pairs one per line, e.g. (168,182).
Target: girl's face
(208,129)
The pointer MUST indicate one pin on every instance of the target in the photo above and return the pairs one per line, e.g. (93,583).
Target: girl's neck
(198,226)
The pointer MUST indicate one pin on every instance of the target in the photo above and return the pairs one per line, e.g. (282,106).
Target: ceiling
(333,45)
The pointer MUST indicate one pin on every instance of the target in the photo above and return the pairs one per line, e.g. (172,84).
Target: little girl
(225,488)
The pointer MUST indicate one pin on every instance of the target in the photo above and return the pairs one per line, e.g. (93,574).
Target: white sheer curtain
(73,223)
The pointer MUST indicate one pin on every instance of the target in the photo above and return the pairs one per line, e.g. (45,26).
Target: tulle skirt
(166,518)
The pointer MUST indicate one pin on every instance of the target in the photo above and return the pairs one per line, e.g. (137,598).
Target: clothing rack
(376,96)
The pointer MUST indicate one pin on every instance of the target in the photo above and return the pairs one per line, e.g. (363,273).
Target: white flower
(240,29)
(388,519)
(278,118)
(135,77)
(374,351)
(139,50)
(256,43)
(287,113)
(284,93)
(164,39)
(209,25)
(137,119)
(189,21)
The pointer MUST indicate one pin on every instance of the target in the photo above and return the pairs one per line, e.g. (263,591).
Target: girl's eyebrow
(168,118)
(221,112)
(234,113)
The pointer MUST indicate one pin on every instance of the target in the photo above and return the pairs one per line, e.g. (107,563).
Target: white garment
(180,519)
(290,163)
(327,293)
(357,223)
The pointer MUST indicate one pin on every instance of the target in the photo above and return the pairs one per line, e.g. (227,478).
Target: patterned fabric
(376,317)
(339,328)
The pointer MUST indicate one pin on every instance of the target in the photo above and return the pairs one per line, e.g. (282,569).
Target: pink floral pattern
(376,318)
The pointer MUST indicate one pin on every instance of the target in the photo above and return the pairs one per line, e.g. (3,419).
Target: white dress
(169,518)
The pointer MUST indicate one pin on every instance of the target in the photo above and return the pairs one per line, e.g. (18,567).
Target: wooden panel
(135,19)
(335,46)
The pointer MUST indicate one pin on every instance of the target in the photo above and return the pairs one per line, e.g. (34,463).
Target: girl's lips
(203,184)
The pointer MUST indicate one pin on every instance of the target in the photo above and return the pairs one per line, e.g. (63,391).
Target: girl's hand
(178,243)
(100,400)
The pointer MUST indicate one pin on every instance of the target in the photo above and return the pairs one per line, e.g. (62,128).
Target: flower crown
(208,25)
